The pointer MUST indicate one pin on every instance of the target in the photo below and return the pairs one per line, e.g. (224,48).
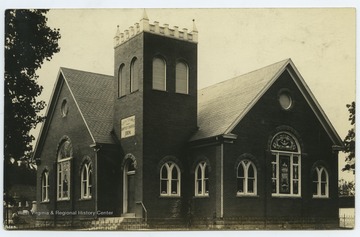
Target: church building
(146,144)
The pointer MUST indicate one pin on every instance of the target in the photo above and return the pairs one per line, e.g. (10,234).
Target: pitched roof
(221,104)
(93,94)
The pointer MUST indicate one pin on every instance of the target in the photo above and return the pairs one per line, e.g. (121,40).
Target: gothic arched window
(202,179)
(45,186)
(246,178)
(320,182)
(170,179)
(86,181)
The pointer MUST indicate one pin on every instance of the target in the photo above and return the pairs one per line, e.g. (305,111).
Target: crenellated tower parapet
(155,28)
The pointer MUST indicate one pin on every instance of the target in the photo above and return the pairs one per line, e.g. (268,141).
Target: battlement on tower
(155,28)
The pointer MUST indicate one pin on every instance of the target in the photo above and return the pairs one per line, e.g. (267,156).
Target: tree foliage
(346,188)
(349,141)
(28,42)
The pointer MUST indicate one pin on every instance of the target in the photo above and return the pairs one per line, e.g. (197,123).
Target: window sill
(180,93)
(85,199)
(63,200)
(159,90)
(284,196)
(169,196)
(320,197)
(133,92)
(120,97)
(45,202)
(201,197)
(247,195)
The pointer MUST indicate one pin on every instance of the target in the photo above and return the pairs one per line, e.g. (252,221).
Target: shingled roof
(222,104)
(93,94)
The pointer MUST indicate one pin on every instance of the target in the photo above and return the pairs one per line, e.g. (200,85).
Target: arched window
(159,74)
(45,186)
(320,182)
(134,75)
(202,179)
(286,165)
(63,171)
(170,179)
(86,181)
(121,81)
(182,78)
(246,178)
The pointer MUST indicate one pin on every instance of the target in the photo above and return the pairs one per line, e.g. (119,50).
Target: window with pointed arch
(45,186)
(202,180)
(63,171)
(121,81)
(286,165)
(86,181)
(320,182)
(159,74)
(182,78)
(170,178)
(134,75)
(246,178)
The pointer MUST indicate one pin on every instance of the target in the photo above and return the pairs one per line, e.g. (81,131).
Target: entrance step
(125,222)
(128,215)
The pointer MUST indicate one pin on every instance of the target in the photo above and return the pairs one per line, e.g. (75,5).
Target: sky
(232,42)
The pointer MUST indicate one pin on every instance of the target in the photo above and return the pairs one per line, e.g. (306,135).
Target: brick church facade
(146,143)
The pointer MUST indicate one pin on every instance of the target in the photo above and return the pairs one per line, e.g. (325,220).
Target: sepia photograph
(179,119)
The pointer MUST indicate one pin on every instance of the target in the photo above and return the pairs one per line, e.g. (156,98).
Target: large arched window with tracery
(286,165)
(64,158)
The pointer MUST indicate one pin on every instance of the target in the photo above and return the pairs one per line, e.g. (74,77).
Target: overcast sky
(321,43)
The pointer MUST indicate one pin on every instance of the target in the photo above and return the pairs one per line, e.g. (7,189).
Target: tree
(349,141)
(28,42)
(346,188)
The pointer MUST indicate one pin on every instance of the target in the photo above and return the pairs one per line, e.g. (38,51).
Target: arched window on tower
(121,85)
(134,75)
(182,78)
(159,74)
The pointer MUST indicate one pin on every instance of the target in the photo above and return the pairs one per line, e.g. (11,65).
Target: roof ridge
(83,71)
(236,77)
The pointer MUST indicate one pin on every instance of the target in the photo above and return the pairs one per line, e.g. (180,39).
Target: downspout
(96,148)
(222,180)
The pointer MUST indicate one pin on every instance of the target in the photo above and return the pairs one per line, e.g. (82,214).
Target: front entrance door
(129,188)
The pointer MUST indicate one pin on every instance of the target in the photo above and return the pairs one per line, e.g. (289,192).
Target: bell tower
(155,109)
